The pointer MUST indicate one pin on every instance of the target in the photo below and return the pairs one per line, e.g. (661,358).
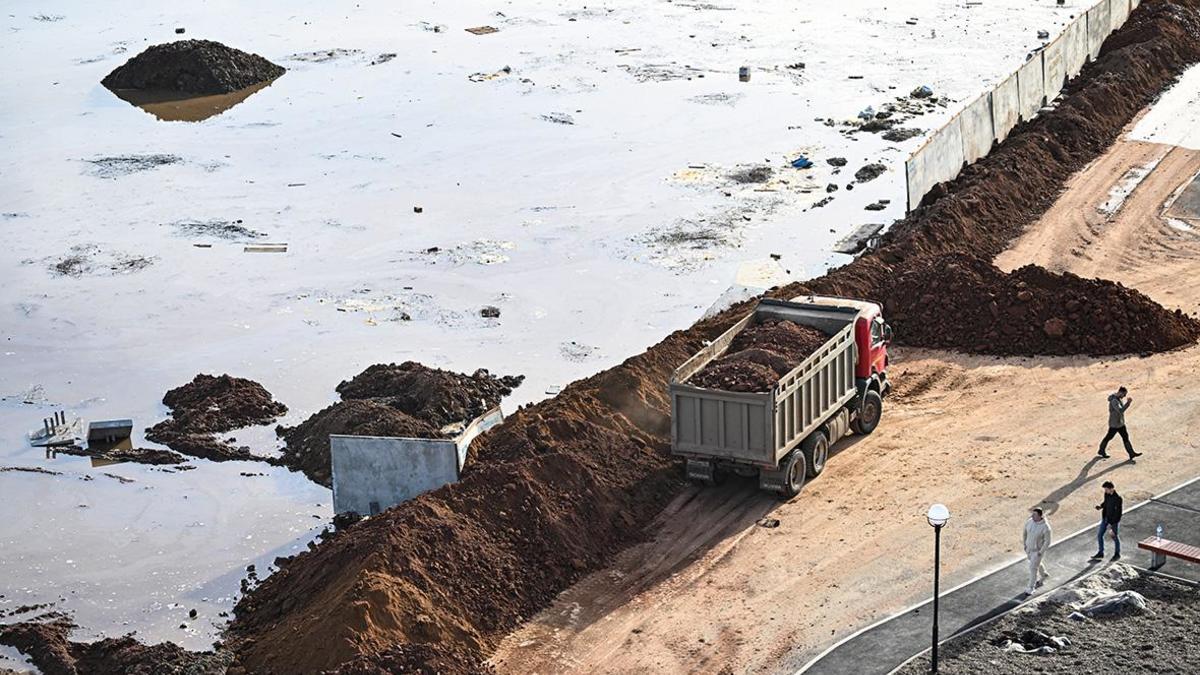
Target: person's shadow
(1051,501)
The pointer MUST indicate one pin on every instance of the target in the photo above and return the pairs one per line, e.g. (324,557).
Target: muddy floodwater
(594,176)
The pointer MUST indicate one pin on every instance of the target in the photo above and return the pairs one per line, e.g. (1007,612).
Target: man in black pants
(1110,516)
(1117,405)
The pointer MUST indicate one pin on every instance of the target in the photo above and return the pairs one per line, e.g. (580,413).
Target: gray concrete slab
(884,646)
(1187,204)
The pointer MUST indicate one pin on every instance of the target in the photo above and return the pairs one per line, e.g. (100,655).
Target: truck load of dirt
(564,484)
(436,396)
(46,641)
(211,405)
(308,442)
(759,355)
(958,302)
(192,67)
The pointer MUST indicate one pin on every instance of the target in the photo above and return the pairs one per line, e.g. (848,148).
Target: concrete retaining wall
(1031,88)
(975,125)
(1019,96)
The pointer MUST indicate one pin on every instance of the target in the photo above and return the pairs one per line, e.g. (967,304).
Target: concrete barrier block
(1075,46)
(1099,25)
(1006,107)
(939,160)
(1118,12)
(975,125)
(1030,87)
(1054,67)
(373,473)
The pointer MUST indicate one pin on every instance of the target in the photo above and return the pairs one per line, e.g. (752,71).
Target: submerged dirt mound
(759,356)
(564,484)
(136,455)
(308,443)
(964,303)
(47,643)
(209,405)
(196,67)
(439,397)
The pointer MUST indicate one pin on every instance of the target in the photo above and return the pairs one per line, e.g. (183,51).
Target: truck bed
(761,428)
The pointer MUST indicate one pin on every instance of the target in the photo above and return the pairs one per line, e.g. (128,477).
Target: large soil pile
(195,67)
(47,642)
(564,484)
(211,405)
(759,356)
(409,400)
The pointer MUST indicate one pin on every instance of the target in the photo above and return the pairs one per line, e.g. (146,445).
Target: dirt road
(989,437)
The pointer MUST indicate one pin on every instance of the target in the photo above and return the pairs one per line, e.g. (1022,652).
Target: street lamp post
(938,516)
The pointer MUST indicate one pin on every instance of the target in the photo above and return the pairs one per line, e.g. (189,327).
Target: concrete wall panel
(940,160)
(387,471)
(1118,12)
(1099,23)
(1006,107)
(1031,88)
(975,125)
(1054,65)
(1075,46)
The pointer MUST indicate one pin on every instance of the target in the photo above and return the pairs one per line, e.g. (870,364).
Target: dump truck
(784,434)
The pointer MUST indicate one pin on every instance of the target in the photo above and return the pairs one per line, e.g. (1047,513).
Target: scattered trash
(1043,35)
(799,65)
(109,431)
(866,113)
(1116,603)
(396,135)
(483,30)
(922,91)
(1031,642)
(56,431)
(484,77)
(768,523)
(421,209)
(554,390)
(490,312)
(869,172)
(744,74)
(559,118)
(901,134)
(802,162)
(836,161)
(382,58)
(179,31)
(265,248)
(877,206)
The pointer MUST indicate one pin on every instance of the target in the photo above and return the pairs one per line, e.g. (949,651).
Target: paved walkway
(880,648)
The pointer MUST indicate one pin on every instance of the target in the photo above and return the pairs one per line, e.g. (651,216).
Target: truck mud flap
(774,481)
(702,471)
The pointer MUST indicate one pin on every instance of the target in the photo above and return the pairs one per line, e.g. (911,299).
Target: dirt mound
(47,643)
(759,356)
(308,443)
(957,302)
(137,455)
(415,659)
(564,484)
(439,397)
(195,67)
(209,405)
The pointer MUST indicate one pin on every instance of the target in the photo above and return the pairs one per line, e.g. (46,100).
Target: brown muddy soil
(136,455)
(211,405)
(192,67)
(308,443)
(408,399)
(415,659)
(46,640)
(759,356)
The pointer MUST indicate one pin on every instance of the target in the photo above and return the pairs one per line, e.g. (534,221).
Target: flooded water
(579,169)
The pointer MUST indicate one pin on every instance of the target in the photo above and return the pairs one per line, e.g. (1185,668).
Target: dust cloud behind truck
(783,435)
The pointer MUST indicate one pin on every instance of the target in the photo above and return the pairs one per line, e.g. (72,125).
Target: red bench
(1161,548)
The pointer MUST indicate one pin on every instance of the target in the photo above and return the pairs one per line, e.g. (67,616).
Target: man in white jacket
(1036,541)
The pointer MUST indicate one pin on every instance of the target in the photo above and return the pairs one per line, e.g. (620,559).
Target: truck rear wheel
(816,451)
(869,414)
(793,474)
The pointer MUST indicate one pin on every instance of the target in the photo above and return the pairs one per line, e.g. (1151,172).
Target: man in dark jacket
(1117,405)
(1110,516)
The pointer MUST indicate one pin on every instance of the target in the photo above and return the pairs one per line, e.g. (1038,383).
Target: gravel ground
(1161,639)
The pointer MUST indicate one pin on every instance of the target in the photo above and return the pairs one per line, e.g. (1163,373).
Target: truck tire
(868,414)
(794,474)
(816,451)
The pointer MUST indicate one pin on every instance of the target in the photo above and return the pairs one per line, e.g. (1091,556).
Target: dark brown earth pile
(47,642)
(439,397)
(308,443)
(415,659)
(137,455)
(194,67)
(759,356)
(210,405)
(409,400)
(956,302)
(461,566)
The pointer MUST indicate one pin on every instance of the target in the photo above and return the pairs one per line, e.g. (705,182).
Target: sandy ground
(989,437)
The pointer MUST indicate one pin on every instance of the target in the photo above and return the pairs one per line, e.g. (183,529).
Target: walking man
(1110,516)
(1117,405)
(1036,541)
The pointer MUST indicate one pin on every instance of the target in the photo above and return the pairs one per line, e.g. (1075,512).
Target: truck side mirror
(887,333)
